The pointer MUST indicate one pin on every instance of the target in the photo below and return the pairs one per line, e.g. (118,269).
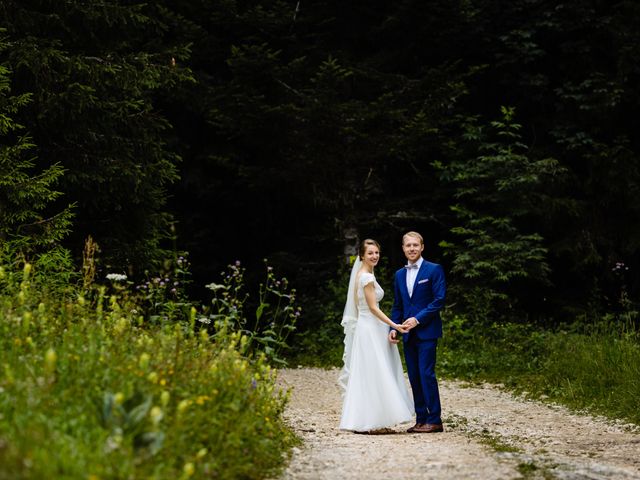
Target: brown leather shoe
(412,429)
(428,428)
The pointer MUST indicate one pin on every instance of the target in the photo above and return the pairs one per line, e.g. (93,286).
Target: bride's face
(371,256)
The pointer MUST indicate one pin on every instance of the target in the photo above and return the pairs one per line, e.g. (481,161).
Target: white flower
(215,286)
(204,320)
(116,277)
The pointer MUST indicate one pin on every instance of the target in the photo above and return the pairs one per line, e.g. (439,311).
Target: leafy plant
(93,388)
(275,317)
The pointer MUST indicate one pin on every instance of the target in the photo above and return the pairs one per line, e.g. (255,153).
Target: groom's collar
(419,262)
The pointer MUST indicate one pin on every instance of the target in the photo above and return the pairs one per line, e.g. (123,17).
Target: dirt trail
(489,434)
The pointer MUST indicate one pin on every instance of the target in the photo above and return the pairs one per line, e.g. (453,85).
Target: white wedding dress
(376,395)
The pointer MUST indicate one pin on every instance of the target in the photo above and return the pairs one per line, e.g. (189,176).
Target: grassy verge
(597,370)
(89,389)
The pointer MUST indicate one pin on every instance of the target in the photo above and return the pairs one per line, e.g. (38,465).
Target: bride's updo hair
(364,244)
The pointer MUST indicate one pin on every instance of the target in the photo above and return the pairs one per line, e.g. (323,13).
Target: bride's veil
(349,319)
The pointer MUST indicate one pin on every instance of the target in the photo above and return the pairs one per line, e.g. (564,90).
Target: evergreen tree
(97,71)
(27,222)
(498,194)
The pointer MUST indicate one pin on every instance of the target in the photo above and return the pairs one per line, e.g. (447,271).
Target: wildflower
(201,453)
(118,398)
(121,325)
(143,361)
(116,277)
(188,469)
(156,415)
(237,263)
(26,320)
(183,405)
(50,359)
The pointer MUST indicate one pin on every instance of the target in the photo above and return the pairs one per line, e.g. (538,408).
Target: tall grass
(89,389)
(593,367)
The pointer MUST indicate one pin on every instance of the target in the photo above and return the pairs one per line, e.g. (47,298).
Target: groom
(419,291)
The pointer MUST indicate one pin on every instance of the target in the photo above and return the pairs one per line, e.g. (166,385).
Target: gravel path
(489,434)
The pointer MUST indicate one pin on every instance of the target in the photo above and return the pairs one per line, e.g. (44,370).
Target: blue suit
(420,342)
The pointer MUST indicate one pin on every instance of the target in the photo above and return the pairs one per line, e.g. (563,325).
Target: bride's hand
(401,328)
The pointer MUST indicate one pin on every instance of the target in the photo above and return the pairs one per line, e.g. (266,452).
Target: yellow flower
(118,398)
(201,453)
(121,325)
(183,405)
(143,361)
(50,359)
(189,469)
(156,415)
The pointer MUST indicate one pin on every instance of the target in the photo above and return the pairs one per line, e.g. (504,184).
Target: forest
(229,133)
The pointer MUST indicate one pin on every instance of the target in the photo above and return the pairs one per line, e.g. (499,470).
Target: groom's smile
(412,249)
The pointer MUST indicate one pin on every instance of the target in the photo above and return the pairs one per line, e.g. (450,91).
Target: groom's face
(412,248)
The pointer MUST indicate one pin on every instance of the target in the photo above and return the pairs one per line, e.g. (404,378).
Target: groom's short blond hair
(413,234)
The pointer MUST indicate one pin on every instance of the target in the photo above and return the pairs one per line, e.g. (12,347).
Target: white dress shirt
(412,273)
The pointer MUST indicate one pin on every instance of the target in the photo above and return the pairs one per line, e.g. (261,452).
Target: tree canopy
(503,131)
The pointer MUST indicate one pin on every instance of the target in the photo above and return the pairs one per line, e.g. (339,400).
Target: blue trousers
(420,356)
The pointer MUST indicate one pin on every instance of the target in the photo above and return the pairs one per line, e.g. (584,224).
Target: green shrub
(90,389)
(591,367)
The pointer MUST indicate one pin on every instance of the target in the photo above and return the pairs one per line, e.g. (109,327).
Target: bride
(375,393)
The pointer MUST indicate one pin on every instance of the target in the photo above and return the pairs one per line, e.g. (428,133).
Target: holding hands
(407,325)
(410,323)
(401,328)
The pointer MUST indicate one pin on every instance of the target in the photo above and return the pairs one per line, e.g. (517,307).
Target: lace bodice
(364,279)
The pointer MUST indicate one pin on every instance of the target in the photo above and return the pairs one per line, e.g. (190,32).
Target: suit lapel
(422,273)
(402,278)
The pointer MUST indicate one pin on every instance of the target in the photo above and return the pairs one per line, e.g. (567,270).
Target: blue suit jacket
(428,298)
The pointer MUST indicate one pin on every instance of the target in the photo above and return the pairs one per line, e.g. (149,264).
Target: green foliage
(26,192)
(590,367)
(275,315)
(95,71)
(91,389)
(497,193)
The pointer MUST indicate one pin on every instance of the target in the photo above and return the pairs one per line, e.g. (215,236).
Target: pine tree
(26,191)
(498,193)
(97,71)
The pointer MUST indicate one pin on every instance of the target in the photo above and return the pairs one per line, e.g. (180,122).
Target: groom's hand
(410,323)
(393,337)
